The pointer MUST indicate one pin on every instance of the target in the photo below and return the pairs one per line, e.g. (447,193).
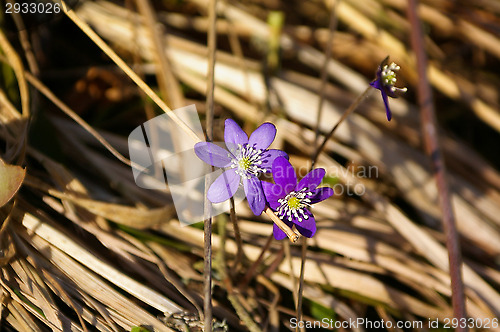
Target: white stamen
(388,76)
(299,211)
(247,161)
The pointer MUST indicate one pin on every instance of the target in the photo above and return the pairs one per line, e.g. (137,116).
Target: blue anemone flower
(245,159)
(386,78)
(292,201)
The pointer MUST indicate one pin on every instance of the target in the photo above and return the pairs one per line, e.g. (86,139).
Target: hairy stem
(301,281)
(212,46)
(237,236)
(348,111)
(251,271)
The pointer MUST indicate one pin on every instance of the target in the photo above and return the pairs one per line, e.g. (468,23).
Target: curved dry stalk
(80,254)
(324,72)
(69,112)
(17,65)
(166,80)
(429,128)
(130,73)
(328,52)
(377,243)
(348,111)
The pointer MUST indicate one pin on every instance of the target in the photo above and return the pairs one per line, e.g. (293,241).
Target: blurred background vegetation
(84,248)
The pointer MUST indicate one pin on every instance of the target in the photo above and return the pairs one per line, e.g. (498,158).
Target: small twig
(348,111)
(25,42)
(429,129)
(284,227)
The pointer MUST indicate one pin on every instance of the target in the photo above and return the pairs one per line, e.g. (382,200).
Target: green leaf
(145,236)
(11,178)
(320,312)
(28,302)
(330,180)
(139,329)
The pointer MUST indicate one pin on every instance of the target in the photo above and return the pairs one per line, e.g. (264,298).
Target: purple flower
(245,159)
(386,78)
(291,200)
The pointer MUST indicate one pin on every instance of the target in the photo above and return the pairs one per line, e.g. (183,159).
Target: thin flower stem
(207,266)
(278,260)
(251,271)
(301,281)
(351,108)
(324,74)
(324,71)
(288,256)
(429,129)
(237,236)
(212,46)
(284,227)
(234,298)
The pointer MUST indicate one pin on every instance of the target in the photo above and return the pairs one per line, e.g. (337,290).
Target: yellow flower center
(294,203)
(389,78)
(248,161)
(244,163)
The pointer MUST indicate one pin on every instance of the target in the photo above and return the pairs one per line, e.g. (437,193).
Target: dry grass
(86,249)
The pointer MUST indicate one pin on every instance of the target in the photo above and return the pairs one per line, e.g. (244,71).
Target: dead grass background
(84,248)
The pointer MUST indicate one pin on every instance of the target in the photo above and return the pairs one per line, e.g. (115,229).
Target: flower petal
(312,179)
(307,227)
(233,134)
(269,156)
(321,194)
(263,136)
(278,233)
(376,84)
(273,192)
(212,154)
(284,174)
(255,195)
(386,103)
(224,186)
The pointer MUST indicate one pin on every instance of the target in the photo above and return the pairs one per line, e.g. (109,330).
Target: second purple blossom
(385,81)
(293,201)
